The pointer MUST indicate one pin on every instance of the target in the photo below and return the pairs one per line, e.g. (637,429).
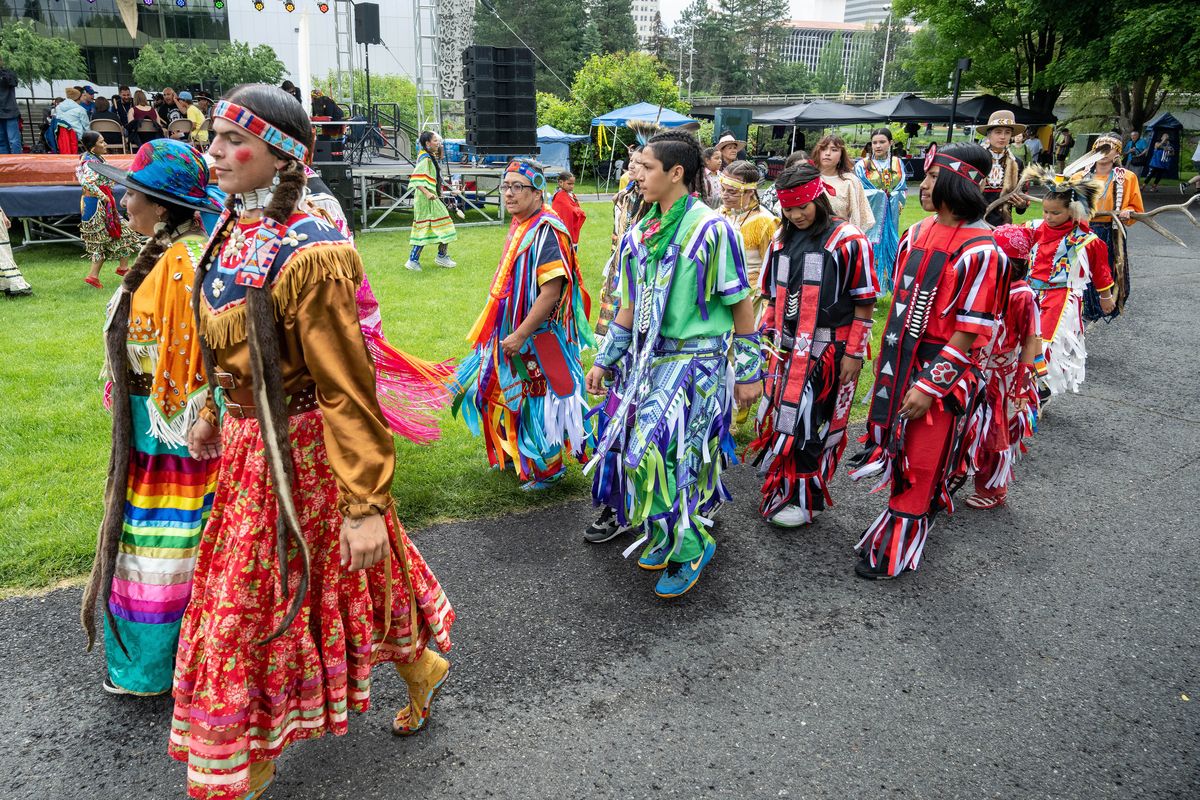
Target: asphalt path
(1045,649)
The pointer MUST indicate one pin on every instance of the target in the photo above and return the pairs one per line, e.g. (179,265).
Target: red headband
(804,193)
(960,168)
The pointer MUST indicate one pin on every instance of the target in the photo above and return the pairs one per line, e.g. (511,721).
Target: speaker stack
(366,23)
(501,101)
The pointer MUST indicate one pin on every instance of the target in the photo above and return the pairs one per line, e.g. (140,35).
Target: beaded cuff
(747,358)
(943,372)
(614,346)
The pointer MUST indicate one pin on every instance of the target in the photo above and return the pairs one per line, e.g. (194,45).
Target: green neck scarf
(661,227)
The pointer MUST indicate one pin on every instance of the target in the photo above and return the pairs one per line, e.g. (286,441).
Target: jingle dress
(106,234)
(812,283)
(530,409)
(886,191)
(1062,262)
(948,279)
(169,493)
(239,699)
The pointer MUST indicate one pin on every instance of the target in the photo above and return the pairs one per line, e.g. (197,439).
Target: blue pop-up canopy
(555,146)
(646,112)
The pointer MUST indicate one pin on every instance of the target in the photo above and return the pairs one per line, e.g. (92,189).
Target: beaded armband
(943,372)
(859,338)
(747,357)
(614,346)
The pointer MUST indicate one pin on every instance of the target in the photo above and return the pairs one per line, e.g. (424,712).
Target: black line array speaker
(501,100)
(366,23)
(339,180)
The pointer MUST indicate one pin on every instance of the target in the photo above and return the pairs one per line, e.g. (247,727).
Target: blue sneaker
(677,581)
(654,560)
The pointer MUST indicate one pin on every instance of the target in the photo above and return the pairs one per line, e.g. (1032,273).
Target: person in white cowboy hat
(1006,168)
(730,147)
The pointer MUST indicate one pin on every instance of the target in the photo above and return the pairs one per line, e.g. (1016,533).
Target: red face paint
(243,154)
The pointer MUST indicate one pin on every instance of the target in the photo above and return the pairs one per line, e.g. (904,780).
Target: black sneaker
(863,569)
(604,528)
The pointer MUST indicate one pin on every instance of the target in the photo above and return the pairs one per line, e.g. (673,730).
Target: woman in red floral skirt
(304,577)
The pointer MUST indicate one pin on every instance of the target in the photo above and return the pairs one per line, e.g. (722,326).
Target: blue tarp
(555,146)
(647,112)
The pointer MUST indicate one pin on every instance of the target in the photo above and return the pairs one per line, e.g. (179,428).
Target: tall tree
(830,75)
(865,63)
(788,78)
(755,26)
(614,20)
(554,30)
(660,44)
(34,57)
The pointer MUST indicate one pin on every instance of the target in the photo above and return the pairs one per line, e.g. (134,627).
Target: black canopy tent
(977,110)
(818,113)
(908,107)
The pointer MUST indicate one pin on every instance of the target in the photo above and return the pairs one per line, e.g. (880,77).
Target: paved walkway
(1043,650)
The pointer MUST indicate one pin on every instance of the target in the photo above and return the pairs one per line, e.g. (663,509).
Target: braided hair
(270,405)
(680,149)
(108,541)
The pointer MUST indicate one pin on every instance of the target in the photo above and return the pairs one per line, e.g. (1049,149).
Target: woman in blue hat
(157,497)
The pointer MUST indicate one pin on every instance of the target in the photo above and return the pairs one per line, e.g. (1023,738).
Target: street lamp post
(962,66)
(887,41)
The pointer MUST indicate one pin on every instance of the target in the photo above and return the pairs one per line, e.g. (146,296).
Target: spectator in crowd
(1161,161)
(1062,147)
(1135,150)
(1020,149)
(731,148)
(87,99)
(204,103)
(324,106)
(142,110)
(1195,179)
(291,89)
(48,127)
(72,121)
(194,116)
(10,119)
(122,103)
(105,111)
(1034,145)
(712,177)
(168,108)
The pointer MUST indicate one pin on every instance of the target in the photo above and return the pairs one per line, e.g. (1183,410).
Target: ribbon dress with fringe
(1062,262)
(240,699)
(671,425)
(812,283)
(529,409)
(169,493)
(1001,425)
(947,279)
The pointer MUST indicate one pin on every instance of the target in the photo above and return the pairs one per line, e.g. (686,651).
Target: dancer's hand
(1108,304)
(850,369)
(512,344)
(1124,215)
(594,380)
(204,440)
(746,394)
(916,404)
(364,542)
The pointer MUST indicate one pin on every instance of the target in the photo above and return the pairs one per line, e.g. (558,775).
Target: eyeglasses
(513,188)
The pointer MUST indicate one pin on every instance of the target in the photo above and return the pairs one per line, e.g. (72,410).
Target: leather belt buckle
(225,380)
(238,411)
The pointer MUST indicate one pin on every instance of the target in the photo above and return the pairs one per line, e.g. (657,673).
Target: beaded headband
(257,126)
(960,168)
(804,193)
(734,183)
(528,171)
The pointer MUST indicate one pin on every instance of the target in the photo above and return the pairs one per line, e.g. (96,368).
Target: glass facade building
(101,34)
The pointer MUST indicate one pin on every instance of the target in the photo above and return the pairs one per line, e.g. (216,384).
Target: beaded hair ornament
(245,119)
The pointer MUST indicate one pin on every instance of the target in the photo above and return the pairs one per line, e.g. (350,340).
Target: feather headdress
(1079,191)
(643,130)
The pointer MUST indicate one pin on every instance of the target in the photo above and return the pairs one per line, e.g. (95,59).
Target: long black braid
(108,541)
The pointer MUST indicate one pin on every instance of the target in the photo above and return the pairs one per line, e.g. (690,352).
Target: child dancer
(1009,414)
(683,291)
(566,206)
(949,276)
(431,218)
(1066,255)
(819,281)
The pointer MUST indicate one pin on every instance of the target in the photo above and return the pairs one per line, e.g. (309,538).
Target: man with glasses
(522,386)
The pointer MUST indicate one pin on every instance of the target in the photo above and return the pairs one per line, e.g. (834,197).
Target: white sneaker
(445,261)
(415,266)
(789,517)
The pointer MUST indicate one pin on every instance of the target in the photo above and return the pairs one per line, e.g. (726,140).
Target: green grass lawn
(54,436)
